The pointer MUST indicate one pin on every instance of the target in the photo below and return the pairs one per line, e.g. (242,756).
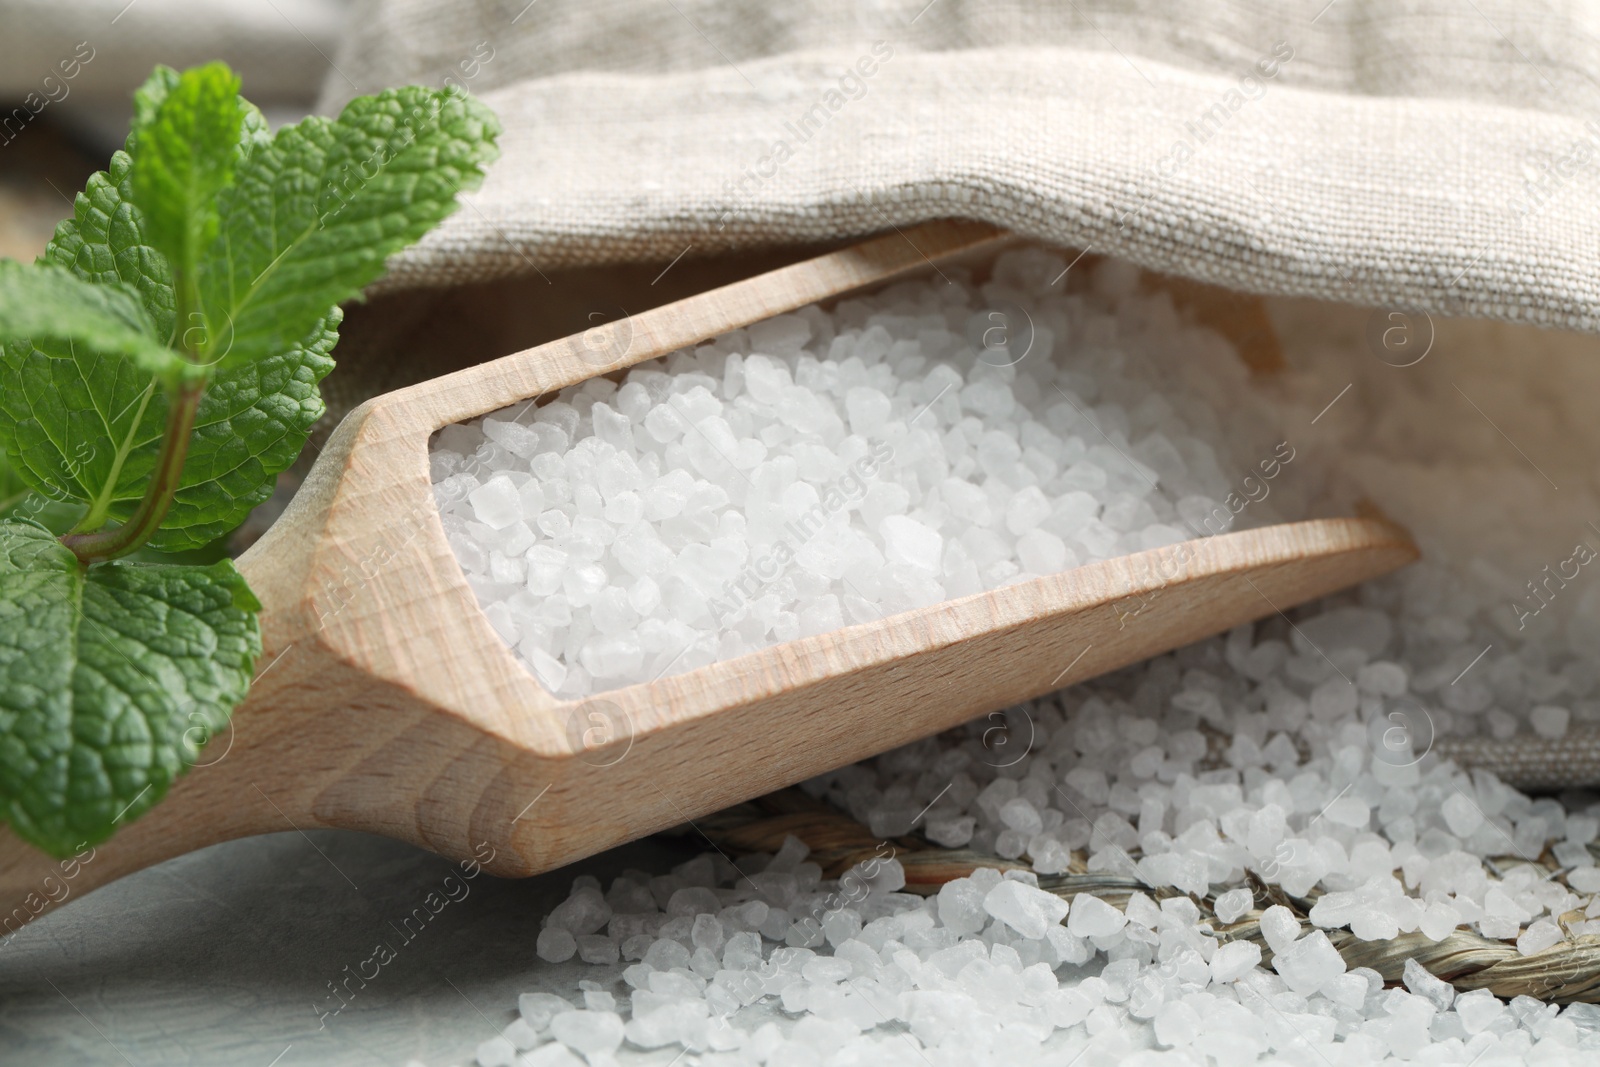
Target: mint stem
(159,491)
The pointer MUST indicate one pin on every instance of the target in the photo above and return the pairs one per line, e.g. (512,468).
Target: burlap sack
(1435,153)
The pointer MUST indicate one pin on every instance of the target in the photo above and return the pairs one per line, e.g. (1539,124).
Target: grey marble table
(226,957)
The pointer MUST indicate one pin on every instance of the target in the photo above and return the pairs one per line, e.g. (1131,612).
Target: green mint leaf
(44,301)
(89,428)
(185,146)
(104,242)
(76,423)
(69,411)
(148,98)
(253,421)
(111,679)
(19,500)
(13,490)
(315,212)
(253,130)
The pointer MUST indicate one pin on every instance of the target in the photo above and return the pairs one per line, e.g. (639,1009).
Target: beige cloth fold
(1434,154)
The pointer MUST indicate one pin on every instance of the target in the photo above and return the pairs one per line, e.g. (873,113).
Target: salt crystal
(1234,960)
(1349,989)
(1383,678)
(1461,815)
(1309,962)
(1348,811)
(1280,927)
(611,656)
(597,948)
(961,906)
(1177,1024)
(1027,509)
(555,945)
(783,335)
(1361,628)
(912,543)
(1021,816)
(583,582)
(588,1032)
(1438,920)
(1231,905)
(497,1052)
(1421,982)
(989,396)
(1088,782)
(583,912)
(1584,879)
(1539,936)
(537,1009)
(496,503)
(1092,917)
(1333,700)
(1142,910)
(950,831)
(664,954)
(551,672)
(1478,1009)
(868,411)
(707,932)
(1549,721)
(1026,910)
(1042,552)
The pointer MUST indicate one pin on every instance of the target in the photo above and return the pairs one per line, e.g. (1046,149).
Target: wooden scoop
(385,702)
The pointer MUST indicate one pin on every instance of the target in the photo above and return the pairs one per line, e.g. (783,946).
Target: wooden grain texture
(385,702)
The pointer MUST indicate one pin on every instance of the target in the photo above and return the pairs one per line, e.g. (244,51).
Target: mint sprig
(160,368)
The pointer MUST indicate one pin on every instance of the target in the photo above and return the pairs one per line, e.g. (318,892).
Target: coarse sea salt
(824,469)
(1234,755)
